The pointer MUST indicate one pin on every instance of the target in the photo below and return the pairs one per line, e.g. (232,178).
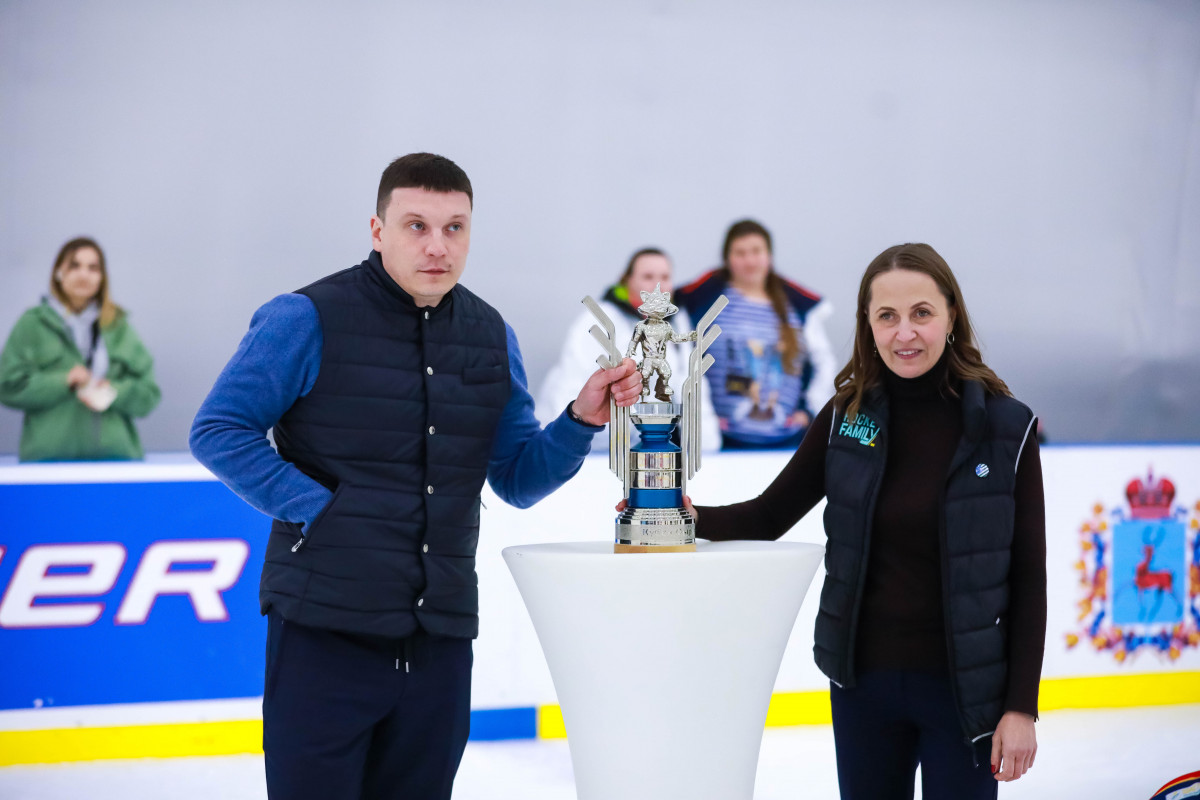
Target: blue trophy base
(654,519)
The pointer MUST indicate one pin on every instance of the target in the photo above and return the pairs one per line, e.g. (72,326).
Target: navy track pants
(357,718)
(893,720)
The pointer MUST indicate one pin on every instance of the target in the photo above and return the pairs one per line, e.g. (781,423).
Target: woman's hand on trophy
(623,381)
(687,503)
(691,509)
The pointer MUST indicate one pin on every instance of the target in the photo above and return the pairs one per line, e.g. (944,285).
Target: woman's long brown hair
(865,369)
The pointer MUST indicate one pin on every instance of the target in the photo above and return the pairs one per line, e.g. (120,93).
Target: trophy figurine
(655,471)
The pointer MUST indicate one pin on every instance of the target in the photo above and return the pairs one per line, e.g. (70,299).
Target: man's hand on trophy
(623,380)
(687,503)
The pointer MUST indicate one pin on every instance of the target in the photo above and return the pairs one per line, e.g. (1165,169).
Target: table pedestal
(664,663)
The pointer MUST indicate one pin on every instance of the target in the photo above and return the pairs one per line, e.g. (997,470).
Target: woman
(773,361)
(647,268)
(933,613)
(76,368)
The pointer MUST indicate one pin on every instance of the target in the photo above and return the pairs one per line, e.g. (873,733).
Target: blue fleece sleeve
(528,461)
(276,364)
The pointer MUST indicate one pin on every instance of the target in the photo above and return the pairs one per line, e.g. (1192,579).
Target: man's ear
(376,231)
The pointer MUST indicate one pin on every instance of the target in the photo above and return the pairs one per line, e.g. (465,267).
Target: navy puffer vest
(399,425)
(976,535)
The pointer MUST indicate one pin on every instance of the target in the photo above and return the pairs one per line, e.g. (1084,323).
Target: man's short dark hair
(427,171)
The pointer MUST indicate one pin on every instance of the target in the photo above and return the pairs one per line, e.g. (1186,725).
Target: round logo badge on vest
(982,470)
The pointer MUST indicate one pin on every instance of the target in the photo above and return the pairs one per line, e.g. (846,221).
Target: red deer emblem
(1159,581)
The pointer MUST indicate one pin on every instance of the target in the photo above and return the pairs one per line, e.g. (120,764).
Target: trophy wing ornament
(618,417)
(698,363)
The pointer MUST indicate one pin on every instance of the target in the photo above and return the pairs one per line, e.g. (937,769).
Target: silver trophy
(655,471)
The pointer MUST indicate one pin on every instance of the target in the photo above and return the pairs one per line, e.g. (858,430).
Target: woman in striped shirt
(774,364)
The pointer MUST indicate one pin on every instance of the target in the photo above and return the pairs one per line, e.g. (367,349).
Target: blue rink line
(497,724)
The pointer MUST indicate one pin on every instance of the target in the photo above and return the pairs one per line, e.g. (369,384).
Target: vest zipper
(298,544)
(868,523)
(947,620)
(943,541)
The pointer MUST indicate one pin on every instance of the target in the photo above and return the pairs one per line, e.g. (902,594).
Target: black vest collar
(974,405)
(380,276)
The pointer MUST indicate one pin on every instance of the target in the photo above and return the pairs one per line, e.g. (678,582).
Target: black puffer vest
(399,425)
(976,534)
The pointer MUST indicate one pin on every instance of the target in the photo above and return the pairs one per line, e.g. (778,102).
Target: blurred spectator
(647,268)
(774,365)
(76,368)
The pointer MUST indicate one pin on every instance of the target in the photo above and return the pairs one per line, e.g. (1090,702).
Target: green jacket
(58,427)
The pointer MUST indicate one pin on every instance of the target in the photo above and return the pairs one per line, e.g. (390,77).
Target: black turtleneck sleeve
(1027,584)
(793,493)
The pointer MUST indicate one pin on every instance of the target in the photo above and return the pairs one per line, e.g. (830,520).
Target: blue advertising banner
(128,593)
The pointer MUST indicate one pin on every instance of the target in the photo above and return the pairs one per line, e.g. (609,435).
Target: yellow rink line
(786,709)
(1107,691)
(1120,691)
(131,741)
(791,708)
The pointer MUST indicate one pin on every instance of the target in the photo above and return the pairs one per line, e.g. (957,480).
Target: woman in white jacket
(647,268)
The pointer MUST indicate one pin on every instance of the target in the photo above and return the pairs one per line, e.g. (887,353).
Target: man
(392,391)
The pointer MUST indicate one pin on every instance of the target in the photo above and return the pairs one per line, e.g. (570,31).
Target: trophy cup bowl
(655,521)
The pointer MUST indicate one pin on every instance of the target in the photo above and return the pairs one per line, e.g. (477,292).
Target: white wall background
(225,152)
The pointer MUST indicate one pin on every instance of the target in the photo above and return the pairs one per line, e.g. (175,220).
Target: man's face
(423,240)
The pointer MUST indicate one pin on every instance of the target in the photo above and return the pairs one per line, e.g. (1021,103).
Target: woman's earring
(950,337)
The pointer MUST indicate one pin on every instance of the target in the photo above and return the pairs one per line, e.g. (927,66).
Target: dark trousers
(894,720)
(344,718)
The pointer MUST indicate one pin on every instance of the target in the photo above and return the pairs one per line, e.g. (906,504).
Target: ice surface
(1119,754)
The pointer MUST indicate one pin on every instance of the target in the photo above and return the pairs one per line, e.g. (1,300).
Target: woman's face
(80,277)
(909,320)
(750,260)
(648,271)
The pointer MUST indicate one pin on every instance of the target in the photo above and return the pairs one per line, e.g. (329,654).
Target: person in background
(647,268)
(774,364)
(76,367)
(932,618)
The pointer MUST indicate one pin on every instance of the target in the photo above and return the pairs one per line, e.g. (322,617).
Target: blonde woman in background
(76,367)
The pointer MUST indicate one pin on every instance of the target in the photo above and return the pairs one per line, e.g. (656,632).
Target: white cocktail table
(664,663)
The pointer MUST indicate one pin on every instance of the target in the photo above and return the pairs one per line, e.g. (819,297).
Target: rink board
(58,538)
(130,609)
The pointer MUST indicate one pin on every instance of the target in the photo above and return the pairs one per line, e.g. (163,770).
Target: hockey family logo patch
(1139,573)
(862,428)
